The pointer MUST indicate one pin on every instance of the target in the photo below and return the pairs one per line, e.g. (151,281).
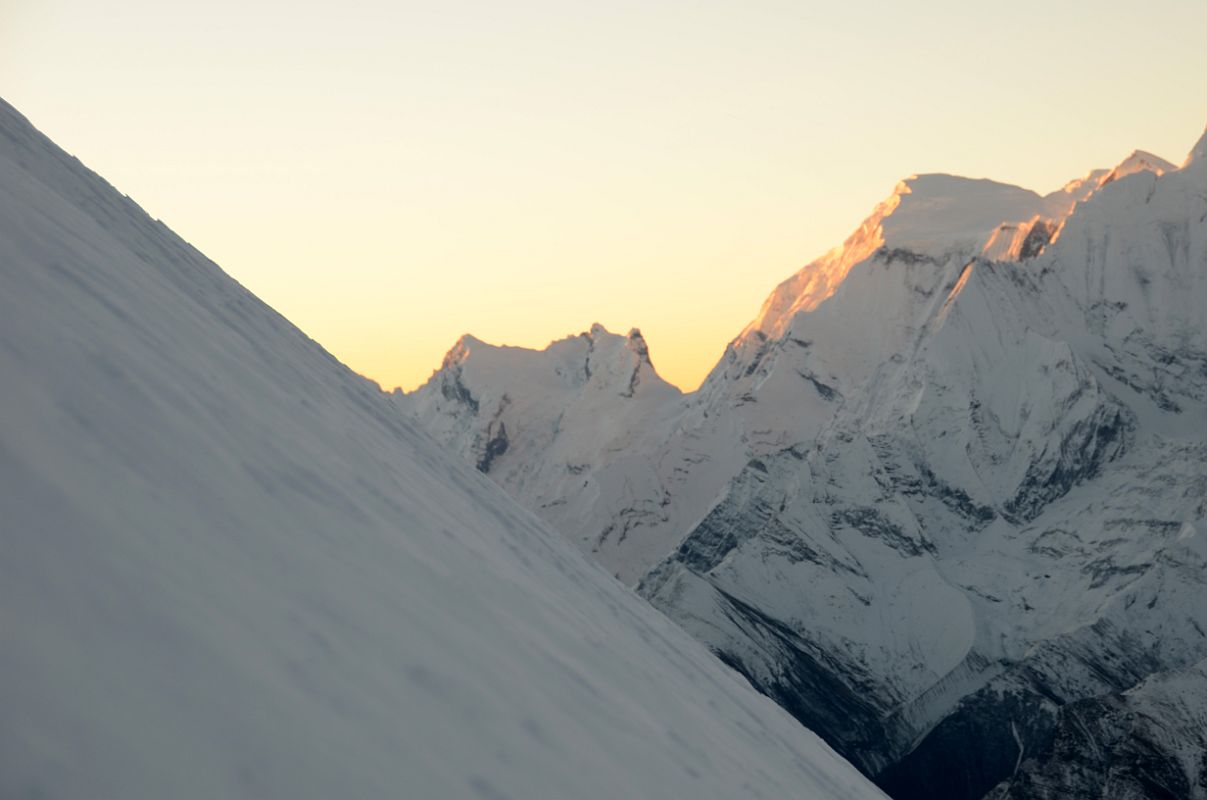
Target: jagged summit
(1138,161)
(575,358)
(1062,201)
(557,426)
(637,343)
(459,352)
(1024,239)
(594,341)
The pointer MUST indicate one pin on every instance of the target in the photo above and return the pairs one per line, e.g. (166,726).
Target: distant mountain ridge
(947,485)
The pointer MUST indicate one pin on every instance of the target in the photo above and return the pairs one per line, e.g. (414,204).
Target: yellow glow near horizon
(390,175)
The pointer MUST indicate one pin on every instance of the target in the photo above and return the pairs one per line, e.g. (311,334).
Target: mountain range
(943,499)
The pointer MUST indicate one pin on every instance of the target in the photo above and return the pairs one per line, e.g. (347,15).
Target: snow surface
(232,569)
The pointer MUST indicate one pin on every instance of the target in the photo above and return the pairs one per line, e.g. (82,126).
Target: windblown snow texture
(947,487)
(232,569)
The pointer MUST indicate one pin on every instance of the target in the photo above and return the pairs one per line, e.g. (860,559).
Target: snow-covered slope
(951,480)
(232,569)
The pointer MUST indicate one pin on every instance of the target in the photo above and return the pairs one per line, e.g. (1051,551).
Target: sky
(390,174)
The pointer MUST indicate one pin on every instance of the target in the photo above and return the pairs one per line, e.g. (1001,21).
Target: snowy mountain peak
(574,357)
(556,426)
(937,210)
(1019,240)
(595,359)
(1062,202)
(927,215)
(602,339)
(495,402)
(1138,161)
(460,351)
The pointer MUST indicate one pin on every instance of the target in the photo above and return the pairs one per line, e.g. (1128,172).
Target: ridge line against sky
(393,175)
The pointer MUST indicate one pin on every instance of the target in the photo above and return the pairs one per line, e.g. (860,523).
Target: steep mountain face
(1147,742)
(232,569)
(949,484)
(574,431)
(987,528)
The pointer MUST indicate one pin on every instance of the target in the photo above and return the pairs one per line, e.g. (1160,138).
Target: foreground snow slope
(231,569)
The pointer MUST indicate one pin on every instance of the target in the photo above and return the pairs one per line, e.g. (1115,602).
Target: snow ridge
(233,569)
